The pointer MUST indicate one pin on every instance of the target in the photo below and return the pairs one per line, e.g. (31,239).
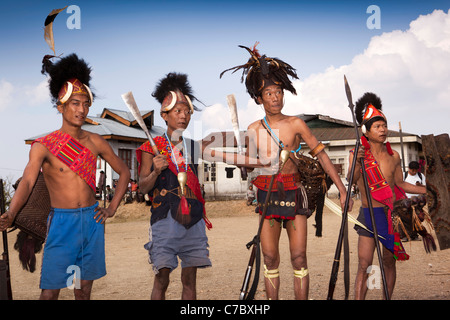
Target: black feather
(361,104)
(258,69)
(64,69)
(172,82)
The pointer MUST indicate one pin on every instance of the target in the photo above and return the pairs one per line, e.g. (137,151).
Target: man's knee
(162,278)
(271,260)
(388,261)
(47,294)
(189,277)
(363,265)
(298,260)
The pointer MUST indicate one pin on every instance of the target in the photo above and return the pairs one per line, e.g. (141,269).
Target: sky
(400,50)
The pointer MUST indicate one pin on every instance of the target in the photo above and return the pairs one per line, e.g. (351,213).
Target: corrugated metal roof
(111,128)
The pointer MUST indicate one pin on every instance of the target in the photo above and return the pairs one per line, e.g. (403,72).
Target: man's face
(412,172)
(178,118)
(378,131)
(76,109)
(272,99)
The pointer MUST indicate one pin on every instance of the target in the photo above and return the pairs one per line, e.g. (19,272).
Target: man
(174,232)
(384,173)
(250,195)
(67,157)
(178,217)
(267,78)
(414,176)
(101,184)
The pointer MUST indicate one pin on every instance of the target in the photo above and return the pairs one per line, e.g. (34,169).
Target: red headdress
(368,107)
(73,86)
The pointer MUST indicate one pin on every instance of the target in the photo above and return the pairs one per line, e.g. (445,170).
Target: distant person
(414,176)
(250,195)
(101,183)
(319,205)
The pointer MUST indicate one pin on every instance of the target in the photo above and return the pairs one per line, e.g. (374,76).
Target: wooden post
(437,155)
(5,275)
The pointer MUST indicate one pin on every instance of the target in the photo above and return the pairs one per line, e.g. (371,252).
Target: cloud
(23,95)
(409,70)
(6,94)
(37,95)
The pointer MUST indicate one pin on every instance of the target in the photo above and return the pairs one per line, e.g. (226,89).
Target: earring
(363,129)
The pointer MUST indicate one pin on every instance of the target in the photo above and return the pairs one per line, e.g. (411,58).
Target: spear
(401,145)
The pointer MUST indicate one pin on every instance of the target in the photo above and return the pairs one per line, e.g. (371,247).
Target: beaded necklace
(174,160)
(278,140)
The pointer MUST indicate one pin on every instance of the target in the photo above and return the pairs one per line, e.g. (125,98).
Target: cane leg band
(318,149)
(301,274)
(270,274)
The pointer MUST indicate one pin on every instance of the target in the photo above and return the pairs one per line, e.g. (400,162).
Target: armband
(318,149)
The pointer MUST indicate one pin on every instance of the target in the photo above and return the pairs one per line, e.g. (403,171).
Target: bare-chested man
(266,81)
(67,157)
(374,126)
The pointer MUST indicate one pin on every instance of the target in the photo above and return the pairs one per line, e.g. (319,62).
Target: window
(205,172)
(339,165)
(229,171)
(125,155)
(213,171)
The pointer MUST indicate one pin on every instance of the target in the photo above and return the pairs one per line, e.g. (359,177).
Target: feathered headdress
(367,108)
(172,89)
(262,71)
(69,75)
(363,112)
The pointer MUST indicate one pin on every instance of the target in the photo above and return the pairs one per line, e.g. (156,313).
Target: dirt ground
(423,277)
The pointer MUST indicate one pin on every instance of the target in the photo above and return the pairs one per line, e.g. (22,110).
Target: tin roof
(118,125)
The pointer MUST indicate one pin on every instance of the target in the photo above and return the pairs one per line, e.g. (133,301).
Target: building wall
(126,147)
(221,181)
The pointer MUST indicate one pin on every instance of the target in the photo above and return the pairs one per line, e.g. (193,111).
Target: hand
(360,154)
(103,214)
(6,221)
(160,163)
(342,200)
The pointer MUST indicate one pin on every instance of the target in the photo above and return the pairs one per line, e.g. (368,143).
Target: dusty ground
(424,276)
